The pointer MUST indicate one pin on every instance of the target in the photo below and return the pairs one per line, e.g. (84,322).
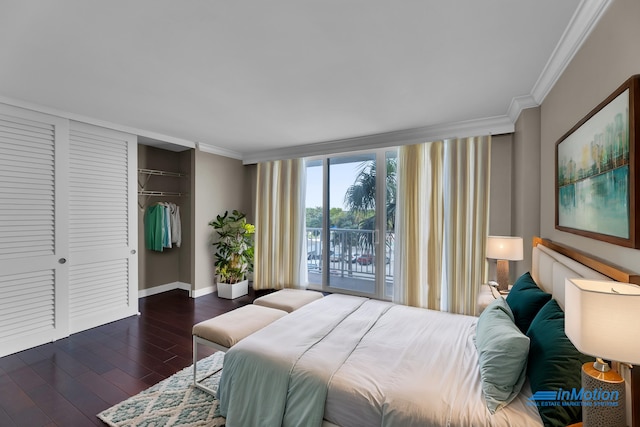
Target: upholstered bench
(288,299)
(224,331)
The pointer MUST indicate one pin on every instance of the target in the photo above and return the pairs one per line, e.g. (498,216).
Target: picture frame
(596,174)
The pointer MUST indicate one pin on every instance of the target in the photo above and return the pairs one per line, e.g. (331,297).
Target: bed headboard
(601,266)
(550,268)
(552,263)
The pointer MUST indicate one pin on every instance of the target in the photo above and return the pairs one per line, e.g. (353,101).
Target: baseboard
(203,291)
(177,285)
(163,288)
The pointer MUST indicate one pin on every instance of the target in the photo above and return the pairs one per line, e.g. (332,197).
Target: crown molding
(518,104)
(212,149)
(582,23)
(492,125)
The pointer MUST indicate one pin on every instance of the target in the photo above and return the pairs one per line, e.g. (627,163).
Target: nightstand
(496,293)
(485,297)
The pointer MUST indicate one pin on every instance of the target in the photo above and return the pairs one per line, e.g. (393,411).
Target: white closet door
(33,246)
(103,264)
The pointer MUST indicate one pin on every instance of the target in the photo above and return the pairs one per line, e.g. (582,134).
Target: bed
(351,361)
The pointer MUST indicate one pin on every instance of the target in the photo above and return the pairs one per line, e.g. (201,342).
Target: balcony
(351,260)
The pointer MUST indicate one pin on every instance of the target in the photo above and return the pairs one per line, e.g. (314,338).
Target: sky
(342,177)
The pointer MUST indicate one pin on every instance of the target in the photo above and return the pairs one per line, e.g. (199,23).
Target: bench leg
(197,340)
(195,360)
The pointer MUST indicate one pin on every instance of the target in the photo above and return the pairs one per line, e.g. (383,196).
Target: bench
(224,331)
(288,299)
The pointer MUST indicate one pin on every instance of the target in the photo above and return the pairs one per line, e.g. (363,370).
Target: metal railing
(351,253)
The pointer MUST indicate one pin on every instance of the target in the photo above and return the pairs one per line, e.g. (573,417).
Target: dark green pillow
(554,363)
(525,300)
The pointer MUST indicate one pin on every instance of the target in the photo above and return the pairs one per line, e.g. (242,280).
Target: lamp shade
(505,247)
(601,318)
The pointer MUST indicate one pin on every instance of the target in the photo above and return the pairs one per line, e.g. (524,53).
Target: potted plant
(234,253)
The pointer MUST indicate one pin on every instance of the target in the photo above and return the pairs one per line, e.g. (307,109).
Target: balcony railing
(352,258)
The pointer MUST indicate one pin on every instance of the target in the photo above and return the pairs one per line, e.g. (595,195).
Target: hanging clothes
(176,226)
(153,227)
(162,226)
(166,229)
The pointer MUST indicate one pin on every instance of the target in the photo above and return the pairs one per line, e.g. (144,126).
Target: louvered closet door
(103,268)
(32,245)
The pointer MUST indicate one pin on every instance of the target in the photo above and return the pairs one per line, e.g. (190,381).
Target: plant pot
(233,290)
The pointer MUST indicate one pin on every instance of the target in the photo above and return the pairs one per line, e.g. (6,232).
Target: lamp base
(503,275)
(603,398)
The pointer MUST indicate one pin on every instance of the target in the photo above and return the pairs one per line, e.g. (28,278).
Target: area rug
(173,401)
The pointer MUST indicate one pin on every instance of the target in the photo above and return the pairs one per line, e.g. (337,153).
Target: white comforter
(360,362)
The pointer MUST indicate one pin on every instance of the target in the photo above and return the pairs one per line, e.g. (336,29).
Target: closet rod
(160,172)
(160,193)
(149,194)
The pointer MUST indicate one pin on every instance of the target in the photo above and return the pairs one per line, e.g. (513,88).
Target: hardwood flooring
(67,382)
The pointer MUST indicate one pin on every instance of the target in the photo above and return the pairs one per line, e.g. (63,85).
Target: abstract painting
(595,189)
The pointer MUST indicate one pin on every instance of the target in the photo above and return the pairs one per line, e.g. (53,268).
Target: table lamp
(601,319)
(504,249)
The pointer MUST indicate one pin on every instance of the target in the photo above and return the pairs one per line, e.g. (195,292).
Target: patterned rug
(173,401)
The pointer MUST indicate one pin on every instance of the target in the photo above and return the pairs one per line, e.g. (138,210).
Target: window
(349,214)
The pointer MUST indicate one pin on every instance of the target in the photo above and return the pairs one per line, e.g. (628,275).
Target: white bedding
(377,364)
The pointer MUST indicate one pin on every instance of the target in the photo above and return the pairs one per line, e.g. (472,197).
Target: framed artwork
(596,170)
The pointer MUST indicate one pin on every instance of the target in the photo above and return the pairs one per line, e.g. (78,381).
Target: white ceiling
(247,77)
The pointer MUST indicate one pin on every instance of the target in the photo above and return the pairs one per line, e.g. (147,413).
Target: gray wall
(219,185)
(526,183)
(607,58)
(500,215)
(515,187)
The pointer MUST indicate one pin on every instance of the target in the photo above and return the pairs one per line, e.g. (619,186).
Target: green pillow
(502,355)
(554,363)
(525,300)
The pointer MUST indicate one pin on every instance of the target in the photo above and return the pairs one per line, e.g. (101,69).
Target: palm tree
(360,198)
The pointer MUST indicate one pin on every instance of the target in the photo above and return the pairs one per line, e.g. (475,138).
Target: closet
(165,176)
(68,247)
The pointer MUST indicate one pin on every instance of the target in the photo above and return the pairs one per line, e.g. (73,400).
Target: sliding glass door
(350,211)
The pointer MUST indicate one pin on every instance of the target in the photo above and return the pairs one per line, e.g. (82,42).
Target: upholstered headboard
(550,269)
(549,256)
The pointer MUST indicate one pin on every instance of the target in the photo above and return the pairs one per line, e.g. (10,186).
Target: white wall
(608,57)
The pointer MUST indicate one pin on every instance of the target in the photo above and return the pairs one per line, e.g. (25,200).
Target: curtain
(279,238)
(466,194)
(442,223)
(418,226)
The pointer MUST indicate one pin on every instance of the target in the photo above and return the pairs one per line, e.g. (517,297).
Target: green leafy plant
(234,247)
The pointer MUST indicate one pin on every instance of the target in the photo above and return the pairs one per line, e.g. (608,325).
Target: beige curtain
(279,239)
(442,223)
(466,195)
(419,226)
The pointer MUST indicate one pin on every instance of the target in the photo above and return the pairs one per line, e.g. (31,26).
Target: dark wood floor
(66,383)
